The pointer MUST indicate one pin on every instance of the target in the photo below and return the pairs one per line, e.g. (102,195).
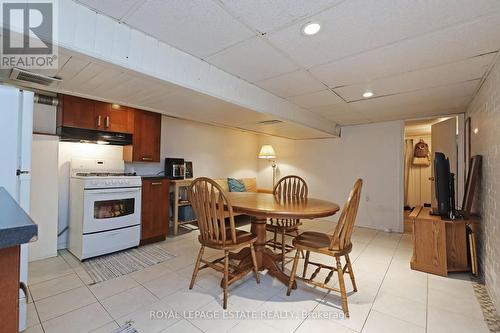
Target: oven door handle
(114,190)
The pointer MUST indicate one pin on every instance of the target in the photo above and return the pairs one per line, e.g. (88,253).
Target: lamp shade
(267,151)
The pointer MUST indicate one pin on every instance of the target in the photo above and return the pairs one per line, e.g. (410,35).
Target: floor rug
(116,264)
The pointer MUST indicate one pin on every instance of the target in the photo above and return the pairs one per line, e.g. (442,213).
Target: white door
(444,140)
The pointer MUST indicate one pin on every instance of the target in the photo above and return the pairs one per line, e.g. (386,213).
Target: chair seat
(242,238)
(318,241)
(275,225)
(313,240)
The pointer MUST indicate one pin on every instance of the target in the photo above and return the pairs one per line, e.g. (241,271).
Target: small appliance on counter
(174,168)
(189,170)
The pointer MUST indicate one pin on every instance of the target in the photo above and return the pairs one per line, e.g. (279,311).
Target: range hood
(72,134)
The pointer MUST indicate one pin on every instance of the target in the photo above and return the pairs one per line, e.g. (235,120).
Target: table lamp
(267,152)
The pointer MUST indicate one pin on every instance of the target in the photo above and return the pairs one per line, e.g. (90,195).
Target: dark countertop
(16,227)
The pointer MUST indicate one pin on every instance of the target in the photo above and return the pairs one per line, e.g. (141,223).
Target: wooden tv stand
(439,246)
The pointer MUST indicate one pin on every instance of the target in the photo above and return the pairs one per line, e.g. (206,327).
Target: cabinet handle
(158,183)
(98,122)
(147,158)
(106,122)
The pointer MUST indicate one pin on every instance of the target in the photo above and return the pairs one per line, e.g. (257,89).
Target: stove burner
(105,174)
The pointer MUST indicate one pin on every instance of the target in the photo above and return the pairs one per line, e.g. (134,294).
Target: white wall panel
(103,36)
(85,29)
(120,43)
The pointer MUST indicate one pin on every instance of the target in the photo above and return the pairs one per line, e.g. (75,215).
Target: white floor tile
(31,315)
(182,326)
(128,301)
(189,300)
(82,320)
(252,326)
(143,321)
(167,285)
(442,321)
(391,297)
(112,287)
(47,269)
(223,322)
(55,286)
(151,273)
(108,328)
(322,325)
(378,322)
(60,304)
(34,329)
(402,308)
(465,305)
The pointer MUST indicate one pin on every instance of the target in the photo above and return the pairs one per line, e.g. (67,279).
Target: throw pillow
(235,185)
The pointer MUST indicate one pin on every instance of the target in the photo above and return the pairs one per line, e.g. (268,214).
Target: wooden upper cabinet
(146,139)
(88,114)
(115,118)
(76,112)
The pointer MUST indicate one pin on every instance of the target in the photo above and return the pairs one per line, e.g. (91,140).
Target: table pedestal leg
(266,259)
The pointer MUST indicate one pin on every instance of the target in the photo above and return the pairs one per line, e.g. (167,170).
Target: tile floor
(391,297)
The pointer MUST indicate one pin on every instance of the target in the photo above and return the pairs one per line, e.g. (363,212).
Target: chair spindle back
(291,187)
(212,206)
(342,234)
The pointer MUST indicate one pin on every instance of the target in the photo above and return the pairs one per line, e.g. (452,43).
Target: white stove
(105,208)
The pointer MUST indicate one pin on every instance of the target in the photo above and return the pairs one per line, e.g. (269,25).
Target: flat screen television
(444,186)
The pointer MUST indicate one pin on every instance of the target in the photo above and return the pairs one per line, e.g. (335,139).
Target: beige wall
(485,116)
(215,152)
(373,152)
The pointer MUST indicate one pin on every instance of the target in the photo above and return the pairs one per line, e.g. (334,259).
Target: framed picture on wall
(467,148)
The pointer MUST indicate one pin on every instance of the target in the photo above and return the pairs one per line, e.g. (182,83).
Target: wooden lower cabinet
(439,246)
(155,210)
(9,289)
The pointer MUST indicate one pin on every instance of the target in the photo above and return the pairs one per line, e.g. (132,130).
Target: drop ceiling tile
(316,99)
(71,68)
(422,103)
(198,27)
(266,16)
(292,84)
(460,71)
(342,114)
(114,8)
(361,25)
(442,47)
(252,60)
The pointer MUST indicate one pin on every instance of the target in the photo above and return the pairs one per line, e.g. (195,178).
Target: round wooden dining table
(262,206)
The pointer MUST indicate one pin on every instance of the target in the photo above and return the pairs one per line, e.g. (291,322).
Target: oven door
(107,209)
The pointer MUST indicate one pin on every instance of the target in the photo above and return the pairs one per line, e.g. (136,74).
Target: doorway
(422,138)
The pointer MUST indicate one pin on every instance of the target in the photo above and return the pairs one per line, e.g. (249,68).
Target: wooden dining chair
(213,209)
(287,188)
(337,245)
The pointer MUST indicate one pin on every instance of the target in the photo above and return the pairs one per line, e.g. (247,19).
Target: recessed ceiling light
(311,28)
(368,94)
